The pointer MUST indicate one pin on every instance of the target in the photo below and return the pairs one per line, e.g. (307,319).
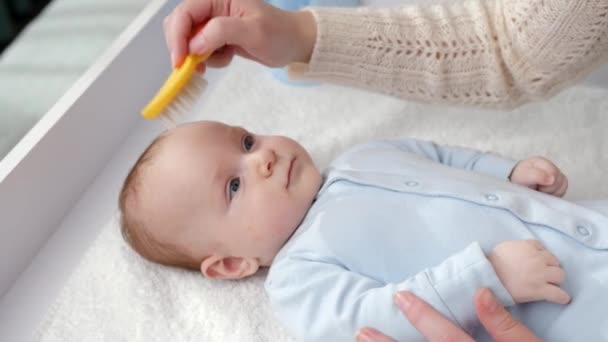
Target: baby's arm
(322,300)
(459,157)
(537,173)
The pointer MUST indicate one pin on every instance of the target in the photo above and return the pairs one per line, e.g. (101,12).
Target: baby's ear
(222,267)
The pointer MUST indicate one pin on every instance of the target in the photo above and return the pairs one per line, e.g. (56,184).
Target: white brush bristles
(183,103)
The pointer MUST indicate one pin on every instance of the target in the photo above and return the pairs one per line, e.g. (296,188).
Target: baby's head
(216,198)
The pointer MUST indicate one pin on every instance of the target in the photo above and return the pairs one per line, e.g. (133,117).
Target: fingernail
(364,335)
(489,301)
(173,58)
(197,44)
(404,300)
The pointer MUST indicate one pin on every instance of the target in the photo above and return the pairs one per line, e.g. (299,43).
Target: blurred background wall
(14,15)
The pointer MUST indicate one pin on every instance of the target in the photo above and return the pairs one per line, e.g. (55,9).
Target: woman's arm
(496,53)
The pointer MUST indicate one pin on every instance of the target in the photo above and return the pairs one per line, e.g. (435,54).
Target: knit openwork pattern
(496,53)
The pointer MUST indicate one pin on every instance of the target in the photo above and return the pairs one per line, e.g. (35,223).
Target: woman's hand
(497,321)
(250,28)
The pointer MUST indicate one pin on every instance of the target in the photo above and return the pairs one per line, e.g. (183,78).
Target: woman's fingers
(221,57)
(221,31)
(430,323)
(498,322)
(371,335)
(177,27)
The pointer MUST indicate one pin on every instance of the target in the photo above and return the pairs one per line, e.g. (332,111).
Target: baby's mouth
(289,172)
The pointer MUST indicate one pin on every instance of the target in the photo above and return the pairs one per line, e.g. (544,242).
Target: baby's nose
(266,160)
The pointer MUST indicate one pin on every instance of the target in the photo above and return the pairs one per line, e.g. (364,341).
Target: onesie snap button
(411,183)
(491,197)
(583,230)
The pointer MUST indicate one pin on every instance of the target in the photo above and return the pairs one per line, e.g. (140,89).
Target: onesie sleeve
(487,163)
(487,53)
(319,300)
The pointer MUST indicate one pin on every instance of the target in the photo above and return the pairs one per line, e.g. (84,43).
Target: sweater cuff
(339,44)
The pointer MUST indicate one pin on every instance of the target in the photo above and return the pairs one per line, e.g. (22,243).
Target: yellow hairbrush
(180,90)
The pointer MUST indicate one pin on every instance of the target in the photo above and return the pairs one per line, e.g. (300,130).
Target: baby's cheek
(257,236)
(283,221)
(275,216)
(267,224)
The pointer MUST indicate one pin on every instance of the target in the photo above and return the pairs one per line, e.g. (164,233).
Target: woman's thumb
(218,32)
(498,322)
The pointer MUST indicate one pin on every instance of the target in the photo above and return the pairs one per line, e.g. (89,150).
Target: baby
(386,216)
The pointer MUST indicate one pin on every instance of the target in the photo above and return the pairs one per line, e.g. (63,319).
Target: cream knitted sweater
(493,53)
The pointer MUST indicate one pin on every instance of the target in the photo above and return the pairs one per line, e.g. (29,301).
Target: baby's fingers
(549,258)
(554,275)
(555,294)
(558,188)
(563,188)
(535,177)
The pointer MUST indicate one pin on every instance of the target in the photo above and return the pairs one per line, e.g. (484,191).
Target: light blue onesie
(406,214)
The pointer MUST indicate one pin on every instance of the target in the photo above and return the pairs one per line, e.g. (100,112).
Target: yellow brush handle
(177,80)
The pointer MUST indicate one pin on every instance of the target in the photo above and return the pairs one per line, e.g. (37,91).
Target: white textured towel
(114,295)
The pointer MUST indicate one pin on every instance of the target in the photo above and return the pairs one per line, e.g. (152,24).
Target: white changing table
(59,185)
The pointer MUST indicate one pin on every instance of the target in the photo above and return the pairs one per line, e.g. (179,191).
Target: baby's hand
(529,271)
(540,174)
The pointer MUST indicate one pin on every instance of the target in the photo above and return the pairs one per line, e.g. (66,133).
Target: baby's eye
(234,186)
(248,142)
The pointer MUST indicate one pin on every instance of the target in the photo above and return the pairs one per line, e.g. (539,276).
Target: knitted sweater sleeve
(488,53)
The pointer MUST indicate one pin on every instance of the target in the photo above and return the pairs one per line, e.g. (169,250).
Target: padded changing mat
(114,295)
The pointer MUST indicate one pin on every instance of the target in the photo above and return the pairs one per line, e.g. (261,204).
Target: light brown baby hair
(132,226)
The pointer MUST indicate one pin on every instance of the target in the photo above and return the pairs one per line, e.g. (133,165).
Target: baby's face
(229,191)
